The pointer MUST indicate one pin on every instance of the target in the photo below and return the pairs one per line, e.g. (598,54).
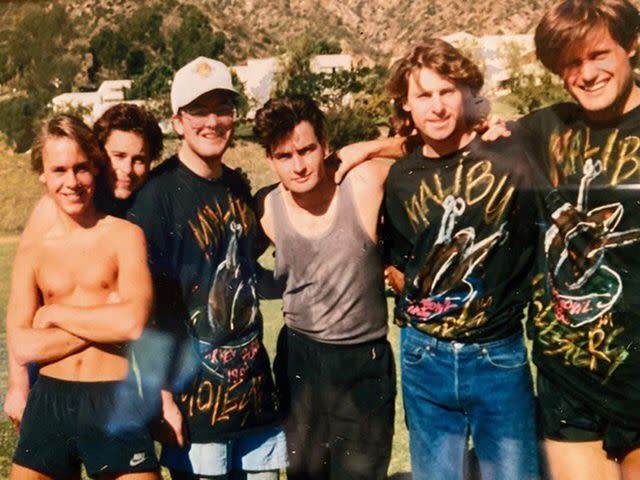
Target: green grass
(20,190)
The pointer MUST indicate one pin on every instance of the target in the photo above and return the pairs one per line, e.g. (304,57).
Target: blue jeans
(452,390)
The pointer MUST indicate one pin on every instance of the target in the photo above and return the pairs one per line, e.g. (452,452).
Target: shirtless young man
(334,364)
(132,139)
(78,411)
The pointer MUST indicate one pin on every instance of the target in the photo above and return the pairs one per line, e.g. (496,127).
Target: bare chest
(83,270)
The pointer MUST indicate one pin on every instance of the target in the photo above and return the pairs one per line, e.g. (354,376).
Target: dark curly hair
(437,55)
(276,120)
(130,118)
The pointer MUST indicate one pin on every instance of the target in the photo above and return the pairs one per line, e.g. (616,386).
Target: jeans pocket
(512,355)
(413,354)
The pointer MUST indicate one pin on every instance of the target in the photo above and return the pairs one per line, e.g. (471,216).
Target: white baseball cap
(200,76)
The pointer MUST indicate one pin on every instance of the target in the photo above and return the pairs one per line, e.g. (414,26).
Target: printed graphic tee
(201,237)
(459,227)
(585,319)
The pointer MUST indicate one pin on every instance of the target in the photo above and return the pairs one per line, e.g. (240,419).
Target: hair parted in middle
(437,55)
(67,126)
(130,118)
(276,120)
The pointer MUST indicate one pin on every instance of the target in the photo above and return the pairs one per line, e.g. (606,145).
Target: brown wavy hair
(437,55)
(569,23)
(67,126)
(130,118)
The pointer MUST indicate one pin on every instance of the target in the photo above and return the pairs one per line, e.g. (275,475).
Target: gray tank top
(334,282)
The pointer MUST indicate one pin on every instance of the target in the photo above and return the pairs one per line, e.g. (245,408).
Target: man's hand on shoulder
(357,153)
(493,129)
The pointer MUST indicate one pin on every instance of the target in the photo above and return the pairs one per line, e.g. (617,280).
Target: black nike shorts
(565,418)
(98,424)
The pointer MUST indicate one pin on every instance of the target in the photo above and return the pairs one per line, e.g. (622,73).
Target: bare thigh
(18,472)
(134,476)
(631,465)
(580,460)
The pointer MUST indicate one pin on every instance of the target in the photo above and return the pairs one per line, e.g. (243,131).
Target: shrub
(348,125)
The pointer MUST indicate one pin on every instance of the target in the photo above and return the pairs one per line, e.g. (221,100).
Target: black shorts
(340,402)
(98,424)
(566,418)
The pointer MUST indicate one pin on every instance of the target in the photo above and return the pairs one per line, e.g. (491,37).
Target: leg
(502,409)
(47,447)
(436,423)
(583,460)
(260,456)
(631,465)
(244,475)
(18,472)
(306,434)
(182,475)
(361,410)
(134,476)
(197,461)
(574,436)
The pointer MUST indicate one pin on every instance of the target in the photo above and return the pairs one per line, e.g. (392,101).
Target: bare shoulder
(40,222)
(26,258)
(121,231)
(371,174)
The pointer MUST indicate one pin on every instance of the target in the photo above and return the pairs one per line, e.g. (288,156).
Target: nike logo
(137,459)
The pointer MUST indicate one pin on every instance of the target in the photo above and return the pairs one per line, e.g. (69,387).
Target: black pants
(340,405)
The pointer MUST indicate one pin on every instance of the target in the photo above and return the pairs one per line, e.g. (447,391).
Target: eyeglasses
(198,116)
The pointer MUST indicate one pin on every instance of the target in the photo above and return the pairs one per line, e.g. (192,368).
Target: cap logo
(203,69)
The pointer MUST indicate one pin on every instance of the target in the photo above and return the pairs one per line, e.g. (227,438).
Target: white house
(95,103)
(491,50)
(258,77)
(330,63)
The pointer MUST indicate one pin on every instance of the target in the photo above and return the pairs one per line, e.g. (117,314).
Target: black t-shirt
(458,227)
(585,319)
(201,237)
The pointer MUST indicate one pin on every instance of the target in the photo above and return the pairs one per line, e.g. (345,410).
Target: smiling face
(206,124)
(298,160)
(598,74)
(128,162)
(437,106)
(68,175)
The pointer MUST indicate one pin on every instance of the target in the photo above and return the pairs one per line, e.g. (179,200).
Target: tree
(135,62)
(348,125)
(533,87)
(195,37)
(109,49)
(144,28)
(42,34)
(295,74)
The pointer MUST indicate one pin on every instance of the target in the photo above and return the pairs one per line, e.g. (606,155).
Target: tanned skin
(89,272)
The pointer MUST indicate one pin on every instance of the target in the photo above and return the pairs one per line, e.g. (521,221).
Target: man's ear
(406,107)
(633,50)
(41,178)
(176,122)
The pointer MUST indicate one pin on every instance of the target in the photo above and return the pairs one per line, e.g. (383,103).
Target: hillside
(375,28)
